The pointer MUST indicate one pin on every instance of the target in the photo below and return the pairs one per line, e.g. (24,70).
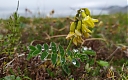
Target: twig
(91,39)
(47,35)
(1,40)
(17,6)
(3,58)
(95,39)
(57,36)
(112,53)
(60,29)
(8,64)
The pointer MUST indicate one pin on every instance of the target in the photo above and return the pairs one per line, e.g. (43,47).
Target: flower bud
(87,12)
(72,27)
(87,35)
(79,24)
(83,14)
(84,27)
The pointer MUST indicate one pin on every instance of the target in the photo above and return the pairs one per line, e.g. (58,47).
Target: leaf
(69,53)
(91,61)
(96,71)
(76,54)
(83,57)
(45,46)
(90,52)
(76,62)
(32,48)
(10,77)
(50,72)
(61,49)
(63,60)
(44,55)
(18,78)
(103,63)
(54,58)
(66,69)
(53,46)
(39,47)
(11,71)
(27,78)
(87,68)
(36,52)
(30,55)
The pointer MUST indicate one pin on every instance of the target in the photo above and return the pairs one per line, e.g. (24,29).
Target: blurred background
(42,8)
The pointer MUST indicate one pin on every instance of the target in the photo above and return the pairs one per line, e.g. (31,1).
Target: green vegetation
(36,49)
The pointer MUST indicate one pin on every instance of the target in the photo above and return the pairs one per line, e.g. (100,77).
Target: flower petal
(75,41)
(80,40)
(83,14)
(79,25)
(72,27)
(84,28)
(70,35)
(95,20)
(86,35)
(78,33)
(88,21)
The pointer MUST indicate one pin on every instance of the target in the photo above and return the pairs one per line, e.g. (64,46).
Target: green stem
(69,44)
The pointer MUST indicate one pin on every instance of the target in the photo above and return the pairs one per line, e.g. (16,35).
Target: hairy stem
(69,44)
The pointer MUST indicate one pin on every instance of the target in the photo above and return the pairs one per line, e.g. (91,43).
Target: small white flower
(85,48)
(75,50)
(89,48)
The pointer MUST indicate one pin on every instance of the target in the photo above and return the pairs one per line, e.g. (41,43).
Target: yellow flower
(83,14)
(69,36)
(77,39)
(79,24)
(72,27)
(75,34)
(78,33)
(79,27)
(87,12)
(89,21)
(85,29)
(86,34)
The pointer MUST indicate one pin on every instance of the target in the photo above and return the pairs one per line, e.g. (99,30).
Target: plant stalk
(69,44)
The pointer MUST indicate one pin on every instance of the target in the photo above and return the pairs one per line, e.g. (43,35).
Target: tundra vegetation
(83,47)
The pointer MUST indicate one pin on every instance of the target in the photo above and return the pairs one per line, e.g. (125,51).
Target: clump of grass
(10,42)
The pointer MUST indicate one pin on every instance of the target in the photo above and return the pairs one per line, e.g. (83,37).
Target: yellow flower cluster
(81,25)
